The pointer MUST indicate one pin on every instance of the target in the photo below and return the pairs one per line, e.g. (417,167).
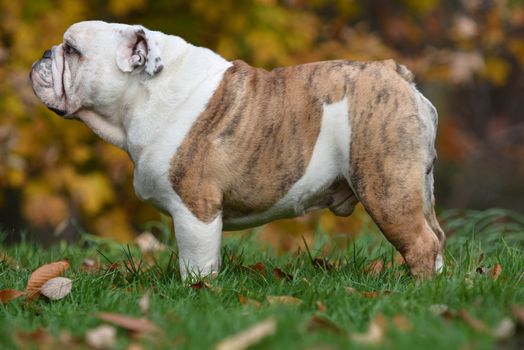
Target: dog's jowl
(220,144)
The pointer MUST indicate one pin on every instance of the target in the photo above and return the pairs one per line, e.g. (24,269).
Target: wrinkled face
(92,67)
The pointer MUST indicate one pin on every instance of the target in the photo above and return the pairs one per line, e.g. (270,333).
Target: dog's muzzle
(41,78)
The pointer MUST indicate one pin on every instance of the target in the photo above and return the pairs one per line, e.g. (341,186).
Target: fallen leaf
(495,271)
(211,287)
(246,301)
(473,322)
(482,270)
(350,290)
(321,307)
(371,294)
(90,265)
(134,346)
(135,324)
(279,274)
(56,288)
(248,337)
(321,323)
(143,303)
(375,267)
(258,267)
(375,333)
(399,259)
(402,323)
(102,337)
(438,309)
(7,295)
(283,299)
(43,274)
(148,243)
(197,285)
(518,313)
(504,329)
(39,338)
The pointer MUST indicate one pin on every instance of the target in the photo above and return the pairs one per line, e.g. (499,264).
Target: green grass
(199,318)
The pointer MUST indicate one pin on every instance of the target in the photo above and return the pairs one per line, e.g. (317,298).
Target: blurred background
(57,179)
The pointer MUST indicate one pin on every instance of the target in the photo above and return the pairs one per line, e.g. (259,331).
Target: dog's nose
(47,54)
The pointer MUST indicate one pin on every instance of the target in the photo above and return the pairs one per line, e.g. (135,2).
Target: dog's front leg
(198,243)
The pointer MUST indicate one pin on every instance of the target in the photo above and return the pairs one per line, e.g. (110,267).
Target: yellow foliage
(114,224)
(91,191)
(42,208)
(496,70)
(121,7)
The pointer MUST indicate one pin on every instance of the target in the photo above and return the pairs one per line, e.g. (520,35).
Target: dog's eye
(70,50)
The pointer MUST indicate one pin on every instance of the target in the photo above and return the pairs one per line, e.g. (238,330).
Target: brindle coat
(256,137)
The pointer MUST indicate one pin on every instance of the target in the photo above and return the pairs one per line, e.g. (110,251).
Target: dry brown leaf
(321,307)
(321,323)
(102,337)
(246,301)
(375,333)
(495,271)
(7,295)
(258,267)
(279,274)
(504,329)
(248,337)
(402,323)
(56,288)
(283,299)
(473,322)
(147,243)
(375,267)
(134,346)
(135,324)
(39,338)
(43,274)
(197,285)
(371,294)
(518,313)
(397,260)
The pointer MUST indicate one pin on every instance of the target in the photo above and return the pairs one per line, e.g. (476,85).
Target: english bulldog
(223,145)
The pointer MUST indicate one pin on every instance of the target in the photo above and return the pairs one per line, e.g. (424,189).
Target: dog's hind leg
(431,218)
(389,176)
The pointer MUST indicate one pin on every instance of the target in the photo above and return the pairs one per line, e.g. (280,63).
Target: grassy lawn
(338,295)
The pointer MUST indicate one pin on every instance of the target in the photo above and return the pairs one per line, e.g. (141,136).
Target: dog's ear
(139,50)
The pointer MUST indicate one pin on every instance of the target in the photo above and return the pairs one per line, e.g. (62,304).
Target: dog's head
(91,69)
